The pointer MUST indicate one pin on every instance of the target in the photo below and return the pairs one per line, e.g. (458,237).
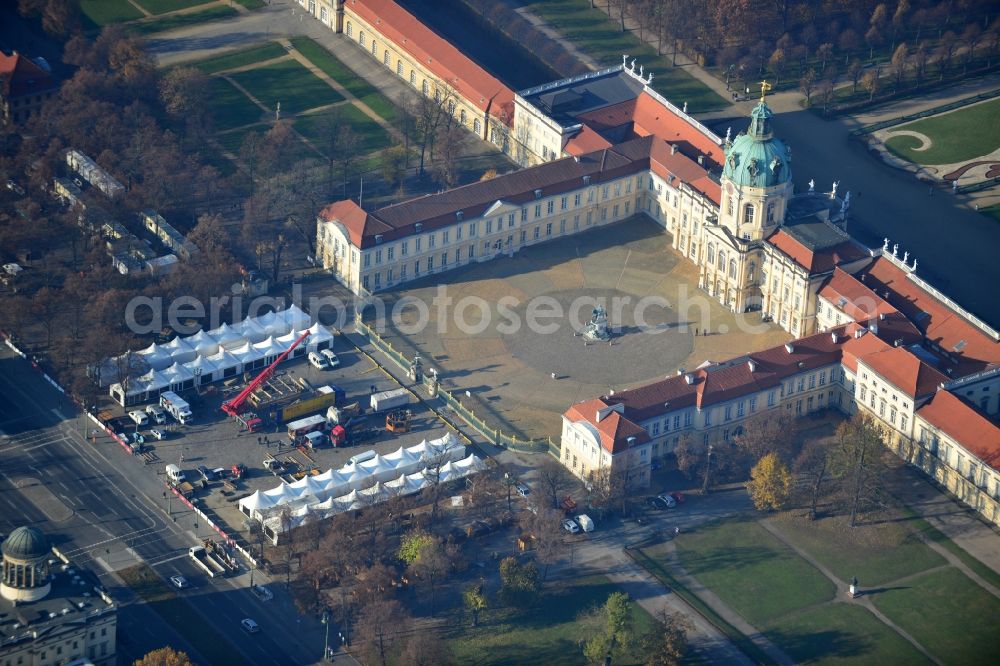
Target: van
(157,414)
(139,418)
(585,522)
(175,474)
(317,361)
(362,457)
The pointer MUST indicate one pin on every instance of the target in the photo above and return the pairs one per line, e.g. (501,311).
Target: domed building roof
(25,543)
(756,158)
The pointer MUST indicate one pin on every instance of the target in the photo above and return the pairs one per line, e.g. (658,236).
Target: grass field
(751,571)
(177,21)
(342,74)
(212,645)
(371,136)
(592,32)
(993,211)
(252,4)
(546,634)
(956,136)
(230,107)
(241,58)
(164,6)
(876,554)
(287,82)
(948,614)
(841,634)
(232,141)
(98,13)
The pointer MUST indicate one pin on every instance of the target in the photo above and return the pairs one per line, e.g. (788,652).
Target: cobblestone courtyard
(477,333)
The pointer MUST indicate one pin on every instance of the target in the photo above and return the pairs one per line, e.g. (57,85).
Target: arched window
(451,107)
(385,58)
(722,260)
(350,29)
(399,68)
(462,116)
(477,126)
(731,205)
(413,78)
(748,214)
(374,49)
(362,39)
(750,269)
(770,213)
(424,88)
(711,252)
(732,268)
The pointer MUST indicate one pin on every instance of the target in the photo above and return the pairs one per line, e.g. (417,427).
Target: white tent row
(302,512)
(209,356)
(438,457)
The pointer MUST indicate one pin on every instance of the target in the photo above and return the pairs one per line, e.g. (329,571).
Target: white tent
(247,354)
(179,350)
(203,368)
(469,465)
(224,361)
(378,468)
(403,461)
(249,329)
(256,504)
(281,494)
(156,357)
(177,374)
(319,334)
(273,324)
(269,348)
(203,343)
(226,336)
(296,318)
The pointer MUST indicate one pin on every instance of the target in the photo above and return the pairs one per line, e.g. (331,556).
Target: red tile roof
(435,53)
(816,261)
(969,347)
(905,371)
(19,76)
(860,347)
(847,293)
(965,424)
(614,429)
(585,141)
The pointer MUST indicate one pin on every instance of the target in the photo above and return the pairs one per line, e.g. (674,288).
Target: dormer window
(459,215)
(538,194)
(378,239)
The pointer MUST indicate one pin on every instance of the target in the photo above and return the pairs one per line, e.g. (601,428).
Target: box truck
(386,400)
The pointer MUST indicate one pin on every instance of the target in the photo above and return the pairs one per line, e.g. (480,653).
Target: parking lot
(213,440)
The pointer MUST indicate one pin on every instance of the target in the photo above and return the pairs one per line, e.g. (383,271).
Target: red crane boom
(234,406)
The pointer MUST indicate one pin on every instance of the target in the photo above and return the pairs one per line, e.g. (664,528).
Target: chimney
(752,364)
(881,316)
(689,378)
(673,149)
(833,337)
(576,158)
(701,160)
(858,333)
(873,327)
(789,347)
(680,371)
(898,342)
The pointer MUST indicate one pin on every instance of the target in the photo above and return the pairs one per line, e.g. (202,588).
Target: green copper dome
(756,158)
(25,543)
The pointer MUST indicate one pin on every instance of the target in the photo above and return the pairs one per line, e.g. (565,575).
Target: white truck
(586,523)
(206,561)
(386,400)
(176,407)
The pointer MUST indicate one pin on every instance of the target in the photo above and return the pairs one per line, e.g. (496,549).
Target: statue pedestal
(852,591)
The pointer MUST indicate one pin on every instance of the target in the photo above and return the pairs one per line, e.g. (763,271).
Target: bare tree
(555,480)
(381,621)
(857,460)
(900,61)
(546,528)
(807,83)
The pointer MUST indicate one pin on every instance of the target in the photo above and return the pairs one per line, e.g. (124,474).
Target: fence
(494,435)
(868,129)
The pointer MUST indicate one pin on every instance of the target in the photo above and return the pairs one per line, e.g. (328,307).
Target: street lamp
(326,639)
(708,468)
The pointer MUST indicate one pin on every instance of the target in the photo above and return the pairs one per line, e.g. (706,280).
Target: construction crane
(235,406)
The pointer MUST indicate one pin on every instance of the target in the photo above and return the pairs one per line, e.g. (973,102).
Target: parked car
(523,490)
(656,503)
(250,626)
(262,592)
(330,357)
(158,433)
(206,473)
(570,526)
(317,361)
(678,497)
(157,414)
(668,500)
(180,582)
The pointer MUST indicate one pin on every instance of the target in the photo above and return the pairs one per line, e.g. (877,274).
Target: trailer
(326,396)
(342,414)
(297,429)
(206,562)
(387,400)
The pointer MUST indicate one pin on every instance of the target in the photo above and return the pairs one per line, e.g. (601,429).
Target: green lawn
(592,32)
(241,58)
(949,614)
(876,554)
(993,211)
(547,634)
(345,76)
(212,645)
(371,136)
(959,135)
(287,82)
(97,13)
(230,107)
(251,4)
(840,633)
(232,141)
(751,571)
(938,537)
(177,21)
(164,6)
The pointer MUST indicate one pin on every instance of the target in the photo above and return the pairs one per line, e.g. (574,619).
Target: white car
(250,626)
(330,357)
(158,433)
(180,582)
(668,500)
(570,526)
(139,417)
(262,592)
(317,361)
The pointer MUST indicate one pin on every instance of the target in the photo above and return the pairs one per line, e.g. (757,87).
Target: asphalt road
(106,512)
